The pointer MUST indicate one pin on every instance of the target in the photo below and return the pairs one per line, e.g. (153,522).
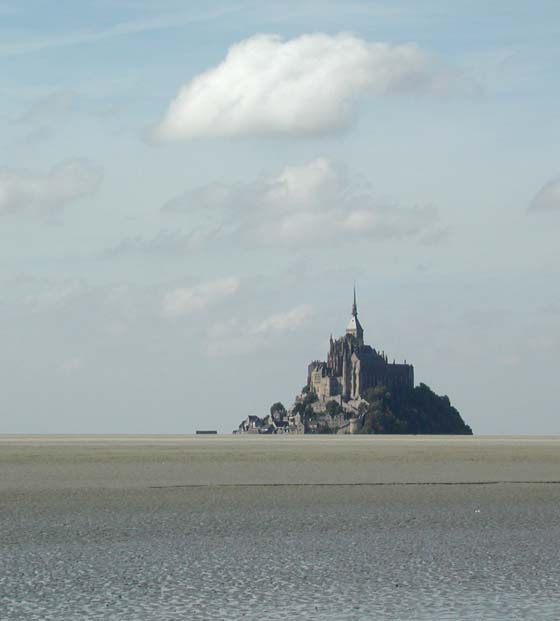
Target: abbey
(352,367)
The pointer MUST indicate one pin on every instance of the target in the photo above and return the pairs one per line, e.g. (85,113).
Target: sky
(188,192)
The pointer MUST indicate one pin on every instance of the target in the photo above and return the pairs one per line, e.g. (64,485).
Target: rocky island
(357,390)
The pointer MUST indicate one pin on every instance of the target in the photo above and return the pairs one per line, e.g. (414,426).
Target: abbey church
(352,367)
(332,401)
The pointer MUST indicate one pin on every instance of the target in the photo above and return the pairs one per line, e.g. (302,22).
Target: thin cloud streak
(132,27)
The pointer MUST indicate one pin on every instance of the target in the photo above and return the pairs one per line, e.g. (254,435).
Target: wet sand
(169,528)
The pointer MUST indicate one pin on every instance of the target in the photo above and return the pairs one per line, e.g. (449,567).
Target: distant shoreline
(198,439)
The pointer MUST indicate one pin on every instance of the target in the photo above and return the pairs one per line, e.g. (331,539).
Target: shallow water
(248,551)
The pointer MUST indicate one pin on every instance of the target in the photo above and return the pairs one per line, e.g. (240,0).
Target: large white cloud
(548,197)
(42,193)
(304,85)
(311,203)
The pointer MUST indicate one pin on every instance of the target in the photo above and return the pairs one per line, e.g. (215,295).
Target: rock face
(357,390)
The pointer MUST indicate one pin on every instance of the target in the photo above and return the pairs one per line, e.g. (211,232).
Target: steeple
(354,327)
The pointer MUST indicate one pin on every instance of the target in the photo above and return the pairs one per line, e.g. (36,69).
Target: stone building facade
(352,367)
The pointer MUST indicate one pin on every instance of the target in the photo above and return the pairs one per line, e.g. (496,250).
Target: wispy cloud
(31,294)
(283,322)
(312,203)
(185,300)
(238,336)
(56,105)
(164,243)
(24,191)
(81,37)
(548,197)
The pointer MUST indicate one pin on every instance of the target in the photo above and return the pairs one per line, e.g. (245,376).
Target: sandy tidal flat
(165,528)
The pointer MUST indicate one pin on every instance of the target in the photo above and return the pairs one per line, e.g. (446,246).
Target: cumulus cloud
(185,300)
(548,197)
(312,203)
(305,85)
(43,193)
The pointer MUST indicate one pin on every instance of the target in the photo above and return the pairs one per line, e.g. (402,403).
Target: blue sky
(189,190)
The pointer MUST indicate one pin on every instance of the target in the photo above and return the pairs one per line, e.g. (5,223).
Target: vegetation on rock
(411,410)
(303,407)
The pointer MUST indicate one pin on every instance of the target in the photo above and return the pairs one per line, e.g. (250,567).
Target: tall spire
(354,327)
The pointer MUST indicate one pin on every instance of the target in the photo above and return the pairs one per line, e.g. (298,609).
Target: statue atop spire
(354,306)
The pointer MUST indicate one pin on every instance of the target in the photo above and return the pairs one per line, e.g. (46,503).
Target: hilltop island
(357,390)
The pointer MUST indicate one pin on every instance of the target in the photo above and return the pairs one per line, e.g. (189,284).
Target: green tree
(310,397)
(277,407)
(333,407)
(299,408)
